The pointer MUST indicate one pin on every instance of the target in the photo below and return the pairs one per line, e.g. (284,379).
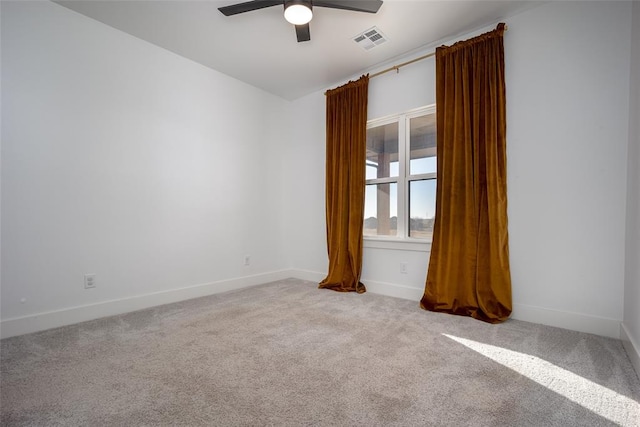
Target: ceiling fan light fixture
(297,12)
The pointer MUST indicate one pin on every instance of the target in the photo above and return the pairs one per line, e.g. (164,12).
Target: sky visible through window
(422,204)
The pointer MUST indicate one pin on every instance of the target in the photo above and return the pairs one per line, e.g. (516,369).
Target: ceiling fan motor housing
(306,3)
(298,12)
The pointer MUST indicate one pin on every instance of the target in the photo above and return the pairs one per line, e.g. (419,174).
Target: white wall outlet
(89,281)
(247,260)
(404,266)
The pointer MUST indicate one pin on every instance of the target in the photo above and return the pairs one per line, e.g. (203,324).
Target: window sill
(418,245)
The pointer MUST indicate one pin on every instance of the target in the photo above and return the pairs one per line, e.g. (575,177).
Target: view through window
(401,175)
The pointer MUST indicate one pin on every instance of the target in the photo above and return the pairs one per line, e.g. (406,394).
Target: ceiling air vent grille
(370,38)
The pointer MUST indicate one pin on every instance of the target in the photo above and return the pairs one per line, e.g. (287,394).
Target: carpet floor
(289,354)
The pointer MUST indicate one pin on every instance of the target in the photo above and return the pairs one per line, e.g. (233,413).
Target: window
(401,175)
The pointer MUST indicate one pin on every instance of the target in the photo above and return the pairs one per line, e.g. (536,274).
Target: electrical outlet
(247,260)
(89,281)
(403,267)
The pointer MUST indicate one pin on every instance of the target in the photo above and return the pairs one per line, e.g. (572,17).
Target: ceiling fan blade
(370,6)
(234,9)
(303,33)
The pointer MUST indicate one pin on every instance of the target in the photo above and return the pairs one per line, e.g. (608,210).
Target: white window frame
(403,180)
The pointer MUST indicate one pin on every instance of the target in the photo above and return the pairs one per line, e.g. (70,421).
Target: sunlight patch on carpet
(596,398)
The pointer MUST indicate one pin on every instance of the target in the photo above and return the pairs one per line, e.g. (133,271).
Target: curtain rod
(397,67)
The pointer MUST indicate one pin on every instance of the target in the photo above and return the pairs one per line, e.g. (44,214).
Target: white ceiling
(260,47)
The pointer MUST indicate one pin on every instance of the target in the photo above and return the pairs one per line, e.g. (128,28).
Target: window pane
(422,207)
(382,151)
(380,210)
(423,144)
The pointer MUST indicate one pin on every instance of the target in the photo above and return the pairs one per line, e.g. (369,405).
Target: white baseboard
(560,319)
(382,288)
(393,290)
(53,319)
(631,346)
(567,320)
(68,316)
(312,276)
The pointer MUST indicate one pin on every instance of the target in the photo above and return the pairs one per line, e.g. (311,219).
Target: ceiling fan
(300,12)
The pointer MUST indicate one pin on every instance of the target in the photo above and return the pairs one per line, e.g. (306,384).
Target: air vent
(370,38)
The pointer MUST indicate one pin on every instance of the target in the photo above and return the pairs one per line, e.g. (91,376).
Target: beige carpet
(289,354)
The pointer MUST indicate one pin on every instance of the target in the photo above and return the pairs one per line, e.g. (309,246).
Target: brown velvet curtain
(469,271)
(346,112)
